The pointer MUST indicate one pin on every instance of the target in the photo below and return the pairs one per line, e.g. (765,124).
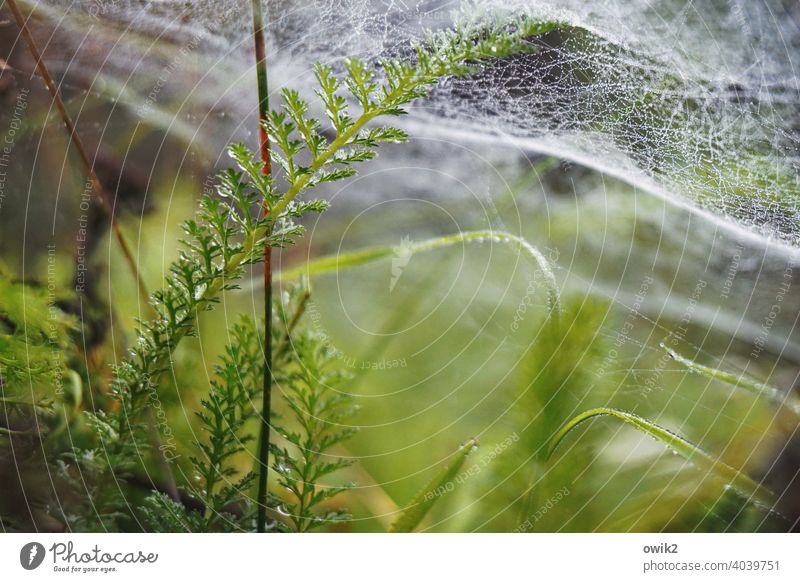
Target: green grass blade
(433,491)
(749,384)
(688,450)
(348,260)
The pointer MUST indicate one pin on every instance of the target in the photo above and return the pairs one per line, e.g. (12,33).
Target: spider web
(696,102)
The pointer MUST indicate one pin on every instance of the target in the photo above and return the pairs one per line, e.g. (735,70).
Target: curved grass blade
(688,450)
(749,384)
(433,491)
(347,260)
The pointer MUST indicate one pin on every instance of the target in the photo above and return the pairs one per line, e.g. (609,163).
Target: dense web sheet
(696,102)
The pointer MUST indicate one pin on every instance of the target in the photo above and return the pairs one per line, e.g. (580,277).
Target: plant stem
(688,450)
(97,187)
(741,381)
(263,111)
(105,201)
